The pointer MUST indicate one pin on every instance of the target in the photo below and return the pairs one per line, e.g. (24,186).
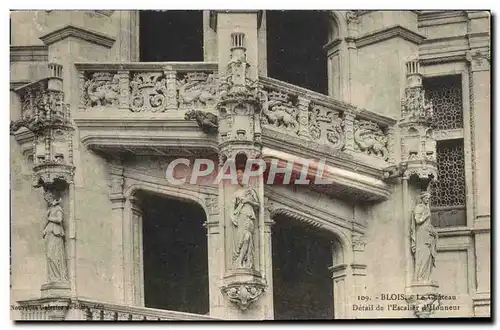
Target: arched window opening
(295,40)
(302,282)
(171,35)
(174,254)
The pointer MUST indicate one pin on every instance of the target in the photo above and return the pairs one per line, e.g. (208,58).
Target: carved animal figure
(371,141)
(279,114)
(101,92)
(208,122)
(198,92)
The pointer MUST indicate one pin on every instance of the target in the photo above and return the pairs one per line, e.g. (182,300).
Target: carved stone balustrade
(91,310)
(148,87)
(320,121)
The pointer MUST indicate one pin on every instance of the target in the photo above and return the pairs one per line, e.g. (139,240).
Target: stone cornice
(105,12)
(29,53)
(434,18)
(332,45)
(345,183)
(136,131)
(16,84)
(80,33)
(388,33)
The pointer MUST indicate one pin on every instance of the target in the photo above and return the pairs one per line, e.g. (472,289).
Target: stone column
(359,264)
(340,292)
(303,106)
(349,131)
(244,284)
(215,252)
(118,206)
(133,287)
(479,80)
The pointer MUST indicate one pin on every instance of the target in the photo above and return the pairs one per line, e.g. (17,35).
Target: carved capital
(352,17)
(358,242)
(479,60)
(212,204)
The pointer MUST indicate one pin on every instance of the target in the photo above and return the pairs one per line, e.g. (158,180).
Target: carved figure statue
(423,240)
(244,211)
(279,111)
(370,139)
(198,89)
(208,122)
(53,234)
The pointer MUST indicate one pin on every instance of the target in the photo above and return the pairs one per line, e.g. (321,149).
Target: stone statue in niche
(423,240)
(244,213)
(53,234)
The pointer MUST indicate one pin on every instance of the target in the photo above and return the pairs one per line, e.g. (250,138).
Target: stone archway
(165,247)
(332,257)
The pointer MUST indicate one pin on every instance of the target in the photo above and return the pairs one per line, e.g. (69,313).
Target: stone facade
(94,129)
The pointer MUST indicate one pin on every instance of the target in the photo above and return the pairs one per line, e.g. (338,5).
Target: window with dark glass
(171,35)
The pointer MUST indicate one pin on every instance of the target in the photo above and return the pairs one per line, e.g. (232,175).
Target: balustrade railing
(289,109)
(317,117)
(92,310)
(148,87)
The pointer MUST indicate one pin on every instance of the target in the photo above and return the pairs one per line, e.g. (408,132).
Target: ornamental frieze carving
(148,92)
(101,89)
(325,125)
(197,90)
(370,139)
(279,111)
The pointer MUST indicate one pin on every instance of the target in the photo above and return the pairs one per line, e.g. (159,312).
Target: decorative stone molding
(388,33)
(105,12)
(79,33)
(28,53)
(293,214)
